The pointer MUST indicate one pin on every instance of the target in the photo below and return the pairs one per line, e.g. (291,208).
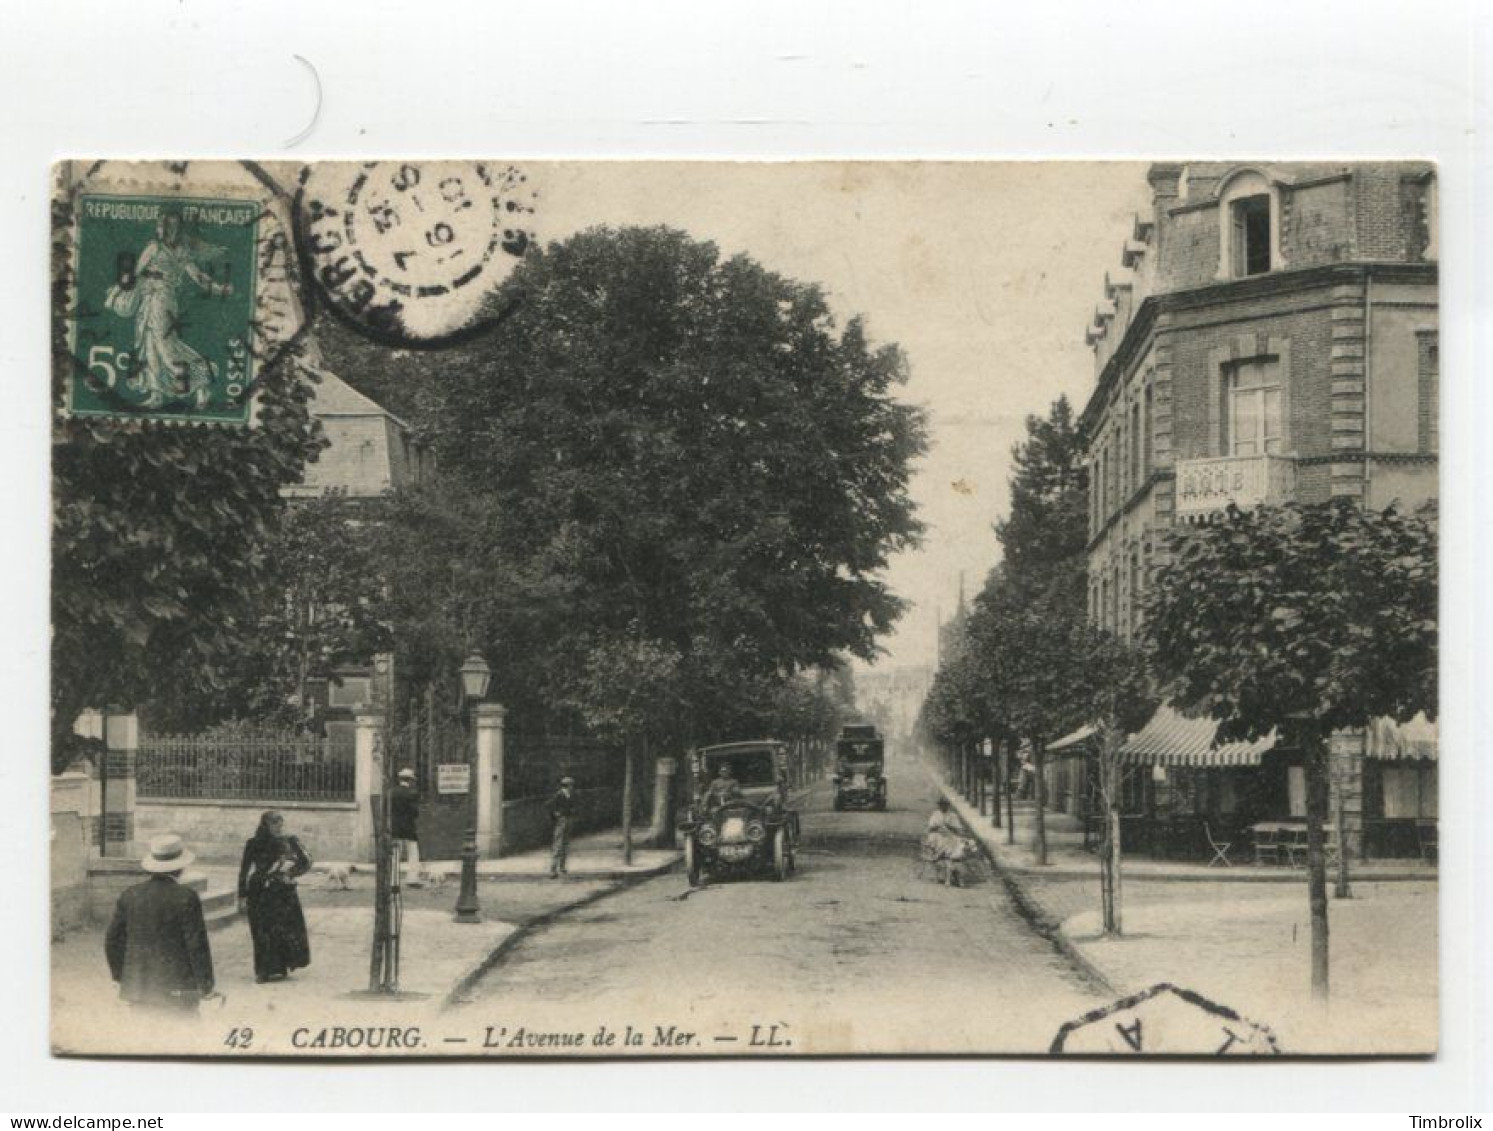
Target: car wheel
(692,863)
(780,855)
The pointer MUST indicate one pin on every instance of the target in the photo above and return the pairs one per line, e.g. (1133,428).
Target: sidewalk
(439,958)
(1240,943)
(595,856)
(1067,858)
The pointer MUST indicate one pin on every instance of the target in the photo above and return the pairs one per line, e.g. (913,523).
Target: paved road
(856,952)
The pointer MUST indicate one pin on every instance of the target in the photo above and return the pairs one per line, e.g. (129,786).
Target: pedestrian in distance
(562,813)
(267,876)
(156,943)
(404,820)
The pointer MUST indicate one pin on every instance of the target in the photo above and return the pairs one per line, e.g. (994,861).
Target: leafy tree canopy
(704,460)
(1323,613)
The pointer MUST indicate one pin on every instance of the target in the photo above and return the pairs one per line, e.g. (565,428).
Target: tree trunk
(1039,760)
(1343,889)
(1010,799)
(1316,858)
(998,783)
(1110,848)
(627,804)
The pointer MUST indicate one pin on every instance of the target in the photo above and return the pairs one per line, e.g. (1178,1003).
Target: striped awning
(1393,742)
(1172,739)
(1070,741)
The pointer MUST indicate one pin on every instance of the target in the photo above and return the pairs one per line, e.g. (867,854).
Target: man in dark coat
(404,817)
(157,942)
(562,812)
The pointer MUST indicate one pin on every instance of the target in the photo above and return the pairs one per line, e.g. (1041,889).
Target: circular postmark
(412,251)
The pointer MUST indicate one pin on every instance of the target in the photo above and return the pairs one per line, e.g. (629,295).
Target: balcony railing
(1206,486)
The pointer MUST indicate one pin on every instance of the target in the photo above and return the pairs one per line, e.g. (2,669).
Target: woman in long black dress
(266,886)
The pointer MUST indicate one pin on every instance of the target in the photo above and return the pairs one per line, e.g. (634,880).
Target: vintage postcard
(519,609)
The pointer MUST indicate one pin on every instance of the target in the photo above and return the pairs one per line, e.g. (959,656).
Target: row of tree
(1298,619)
(667,484)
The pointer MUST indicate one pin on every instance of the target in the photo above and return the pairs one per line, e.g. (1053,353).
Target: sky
(984,273)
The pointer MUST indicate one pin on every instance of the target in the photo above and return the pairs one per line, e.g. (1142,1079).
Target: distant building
(370,450)
(892,697)
(1271,335)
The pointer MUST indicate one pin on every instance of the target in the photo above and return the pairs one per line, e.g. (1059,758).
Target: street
(857,951)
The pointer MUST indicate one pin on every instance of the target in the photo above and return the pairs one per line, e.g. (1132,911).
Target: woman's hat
(567,781)
(167,854)
(406,774)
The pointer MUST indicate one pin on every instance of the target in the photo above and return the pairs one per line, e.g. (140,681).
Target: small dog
(339,877)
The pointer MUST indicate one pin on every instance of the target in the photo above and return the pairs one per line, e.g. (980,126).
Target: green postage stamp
(163,303)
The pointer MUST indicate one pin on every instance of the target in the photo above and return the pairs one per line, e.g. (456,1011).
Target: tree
(695,451)
(1120,693)
(320,603)
(1045,535)
(1303,619)
(159,534)
(1032,604)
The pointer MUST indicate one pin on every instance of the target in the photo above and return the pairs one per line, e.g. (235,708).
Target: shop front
(1400,790)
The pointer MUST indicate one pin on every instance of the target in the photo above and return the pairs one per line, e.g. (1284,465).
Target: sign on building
(453,777)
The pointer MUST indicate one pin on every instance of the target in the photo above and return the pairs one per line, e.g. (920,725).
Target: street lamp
(475,676)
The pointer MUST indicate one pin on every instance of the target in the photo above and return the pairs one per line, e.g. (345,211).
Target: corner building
(1270,334)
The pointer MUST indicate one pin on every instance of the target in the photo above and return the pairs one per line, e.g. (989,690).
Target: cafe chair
(1220,848)
(1267,847)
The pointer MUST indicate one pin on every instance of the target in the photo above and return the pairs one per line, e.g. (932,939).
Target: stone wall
(216,830)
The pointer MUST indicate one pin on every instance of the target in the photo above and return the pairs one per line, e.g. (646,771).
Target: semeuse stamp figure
(163,308)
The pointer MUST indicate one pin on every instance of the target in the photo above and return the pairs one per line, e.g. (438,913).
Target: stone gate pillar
(368,780)
(488,779)
(117,785)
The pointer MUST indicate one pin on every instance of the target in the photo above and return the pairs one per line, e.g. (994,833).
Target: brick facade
(1342,323)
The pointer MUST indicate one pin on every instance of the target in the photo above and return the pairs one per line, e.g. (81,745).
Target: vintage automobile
(738,821)
(860,769)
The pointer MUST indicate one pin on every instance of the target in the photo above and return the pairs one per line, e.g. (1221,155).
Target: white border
(743,79)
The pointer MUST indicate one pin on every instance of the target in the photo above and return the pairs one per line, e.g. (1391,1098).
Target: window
(1249,237)
(1136,473)
(1251,233)
(1296,790)
(1409,792)
(1146,436)
(1254,408)
(1429,408)
(350,691)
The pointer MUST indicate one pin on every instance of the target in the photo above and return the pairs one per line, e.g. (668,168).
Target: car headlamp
(756,831)
(706,833)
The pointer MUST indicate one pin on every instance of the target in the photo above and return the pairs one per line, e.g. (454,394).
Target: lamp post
(475,675)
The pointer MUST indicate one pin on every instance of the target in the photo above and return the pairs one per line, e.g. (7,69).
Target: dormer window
(1251,218)
(1249,226)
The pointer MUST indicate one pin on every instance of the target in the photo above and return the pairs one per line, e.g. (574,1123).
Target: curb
(468,981)
(1038,919)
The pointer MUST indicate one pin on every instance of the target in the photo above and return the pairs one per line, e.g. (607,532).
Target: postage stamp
(162,305)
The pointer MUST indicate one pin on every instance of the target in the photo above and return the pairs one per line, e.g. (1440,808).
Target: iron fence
(258,767)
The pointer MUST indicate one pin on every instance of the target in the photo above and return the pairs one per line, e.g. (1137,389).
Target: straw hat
(567,781)
(406,774)
(167,854)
